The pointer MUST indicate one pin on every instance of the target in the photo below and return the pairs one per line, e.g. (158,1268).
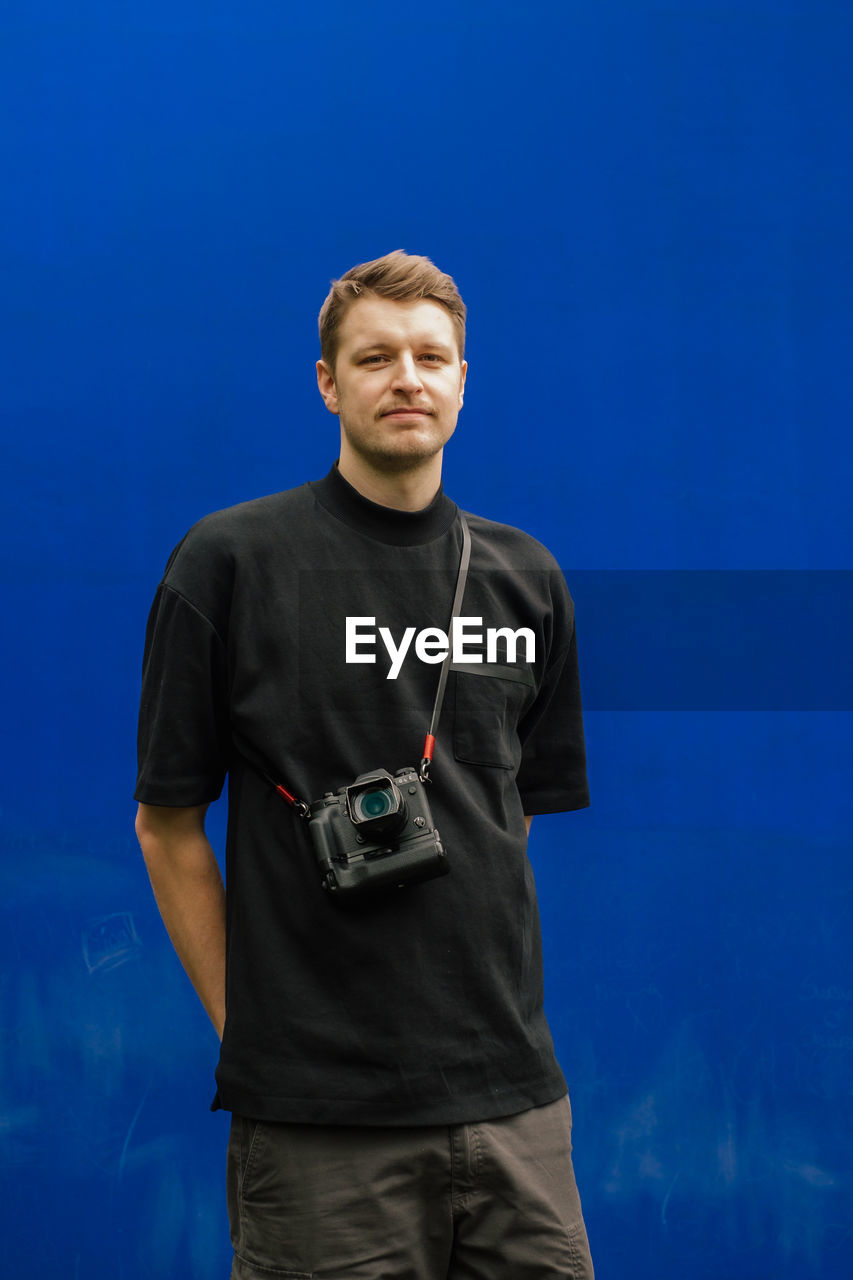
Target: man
(397,1108)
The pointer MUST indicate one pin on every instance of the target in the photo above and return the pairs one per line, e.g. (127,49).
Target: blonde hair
(405,277)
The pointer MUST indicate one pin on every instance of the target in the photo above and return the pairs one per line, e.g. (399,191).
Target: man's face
(398,381)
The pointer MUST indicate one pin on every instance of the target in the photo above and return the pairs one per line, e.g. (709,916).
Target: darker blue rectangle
(715,640)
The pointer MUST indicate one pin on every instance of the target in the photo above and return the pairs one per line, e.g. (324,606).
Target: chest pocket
(490,699)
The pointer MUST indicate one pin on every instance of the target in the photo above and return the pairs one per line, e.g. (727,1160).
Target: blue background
(648,209)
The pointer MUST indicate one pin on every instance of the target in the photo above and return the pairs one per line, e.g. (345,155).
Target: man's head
(393,371)
(402,277)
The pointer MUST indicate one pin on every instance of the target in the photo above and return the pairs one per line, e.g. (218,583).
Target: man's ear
(464,374)
(326,384)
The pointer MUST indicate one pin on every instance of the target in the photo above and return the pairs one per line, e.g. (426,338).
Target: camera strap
(461,578)
(300,806)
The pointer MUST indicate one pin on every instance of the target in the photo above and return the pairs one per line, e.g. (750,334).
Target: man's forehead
(372,319)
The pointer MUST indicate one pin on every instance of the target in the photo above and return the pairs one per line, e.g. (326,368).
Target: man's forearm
(190,894)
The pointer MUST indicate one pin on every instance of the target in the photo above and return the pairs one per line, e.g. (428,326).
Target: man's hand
(528,818)
(191,896)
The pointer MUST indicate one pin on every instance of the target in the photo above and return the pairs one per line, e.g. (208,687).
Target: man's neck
(405,491)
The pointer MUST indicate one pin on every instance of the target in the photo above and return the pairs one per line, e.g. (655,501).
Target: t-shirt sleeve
(183,716)
(552,776)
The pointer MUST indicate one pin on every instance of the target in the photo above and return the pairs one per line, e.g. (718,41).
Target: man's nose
(407,376)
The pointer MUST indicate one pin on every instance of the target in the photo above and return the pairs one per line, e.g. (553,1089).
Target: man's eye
(431,357)
(372,359)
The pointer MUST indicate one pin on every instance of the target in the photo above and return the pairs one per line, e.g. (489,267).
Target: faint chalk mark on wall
(110,941)
(666,1200)
(809,1173)
(129,1134)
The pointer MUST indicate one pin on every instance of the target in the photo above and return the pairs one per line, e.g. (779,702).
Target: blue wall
(648,210)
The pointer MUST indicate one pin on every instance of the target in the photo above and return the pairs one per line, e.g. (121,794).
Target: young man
(397,1108)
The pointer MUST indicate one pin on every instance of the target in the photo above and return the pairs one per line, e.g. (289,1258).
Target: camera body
(377,833)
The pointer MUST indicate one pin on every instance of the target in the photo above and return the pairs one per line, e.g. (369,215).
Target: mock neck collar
(385,524)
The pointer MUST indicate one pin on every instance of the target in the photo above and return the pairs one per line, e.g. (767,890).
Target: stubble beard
(405,453)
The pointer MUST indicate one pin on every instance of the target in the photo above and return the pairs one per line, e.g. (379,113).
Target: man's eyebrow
(379,344)
(368,346)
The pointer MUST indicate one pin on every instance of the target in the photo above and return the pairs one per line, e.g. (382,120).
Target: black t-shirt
(424,1007)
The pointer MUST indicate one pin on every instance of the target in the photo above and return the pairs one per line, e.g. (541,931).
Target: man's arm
(188,887)
(528,818)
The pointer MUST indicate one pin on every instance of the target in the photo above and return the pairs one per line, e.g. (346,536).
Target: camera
(376,834)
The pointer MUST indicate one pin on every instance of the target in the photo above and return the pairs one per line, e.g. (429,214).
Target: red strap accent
(283,791)
(429,746)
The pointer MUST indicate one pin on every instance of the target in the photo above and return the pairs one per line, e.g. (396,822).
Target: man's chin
(403,455)
(400,462)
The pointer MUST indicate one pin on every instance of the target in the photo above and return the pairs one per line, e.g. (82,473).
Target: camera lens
(376,807)
(373,804)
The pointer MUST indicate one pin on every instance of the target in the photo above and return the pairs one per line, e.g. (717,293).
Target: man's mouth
(406,413)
